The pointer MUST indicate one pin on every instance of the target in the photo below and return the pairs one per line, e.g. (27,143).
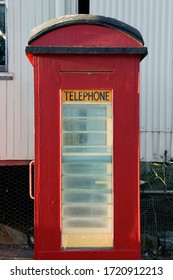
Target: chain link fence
(17,209)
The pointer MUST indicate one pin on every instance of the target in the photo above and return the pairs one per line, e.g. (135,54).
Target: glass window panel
(87,226)
(84,125)
(88,168)
(89,182)
(85,239)
(86,197)
(84,211)
(97,224)
(87,149)
(2,37)
(89,111)
(88,139)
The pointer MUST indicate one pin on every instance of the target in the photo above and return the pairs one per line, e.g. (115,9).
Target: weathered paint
(52,74)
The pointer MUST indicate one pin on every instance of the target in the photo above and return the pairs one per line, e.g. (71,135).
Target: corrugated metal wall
(66,7)
(155,21)
(16,95)
(152,17)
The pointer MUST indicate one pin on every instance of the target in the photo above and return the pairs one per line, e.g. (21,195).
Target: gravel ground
(26,253)
(16,253)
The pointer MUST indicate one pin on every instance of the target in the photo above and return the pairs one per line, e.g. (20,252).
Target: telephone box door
(87,152)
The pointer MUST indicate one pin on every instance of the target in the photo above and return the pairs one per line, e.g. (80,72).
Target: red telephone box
(86,72)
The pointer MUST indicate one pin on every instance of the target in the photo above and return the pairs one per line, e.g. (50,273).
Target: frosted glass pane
(87,149)
(87,226)
(89,182)
(86,197)
(87,168)
(92,157)
(87,240)
(89,223)
(90,211)
(87,212)
(84,125)
(88,111)
(85,138)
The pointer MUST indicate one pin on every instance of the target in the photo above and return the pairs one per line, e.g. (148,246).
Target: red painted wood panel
(49,79)
(47,156)
(126,156)
(86,35)
(91,255)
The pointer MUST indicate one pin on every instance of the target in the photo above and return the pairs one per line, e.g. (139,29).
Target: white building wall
(66,7)
(16,95)
(71,7)
(153,18)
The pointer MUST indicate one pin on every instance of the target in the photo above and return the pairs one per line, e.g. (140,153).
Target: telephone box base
(88,255)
